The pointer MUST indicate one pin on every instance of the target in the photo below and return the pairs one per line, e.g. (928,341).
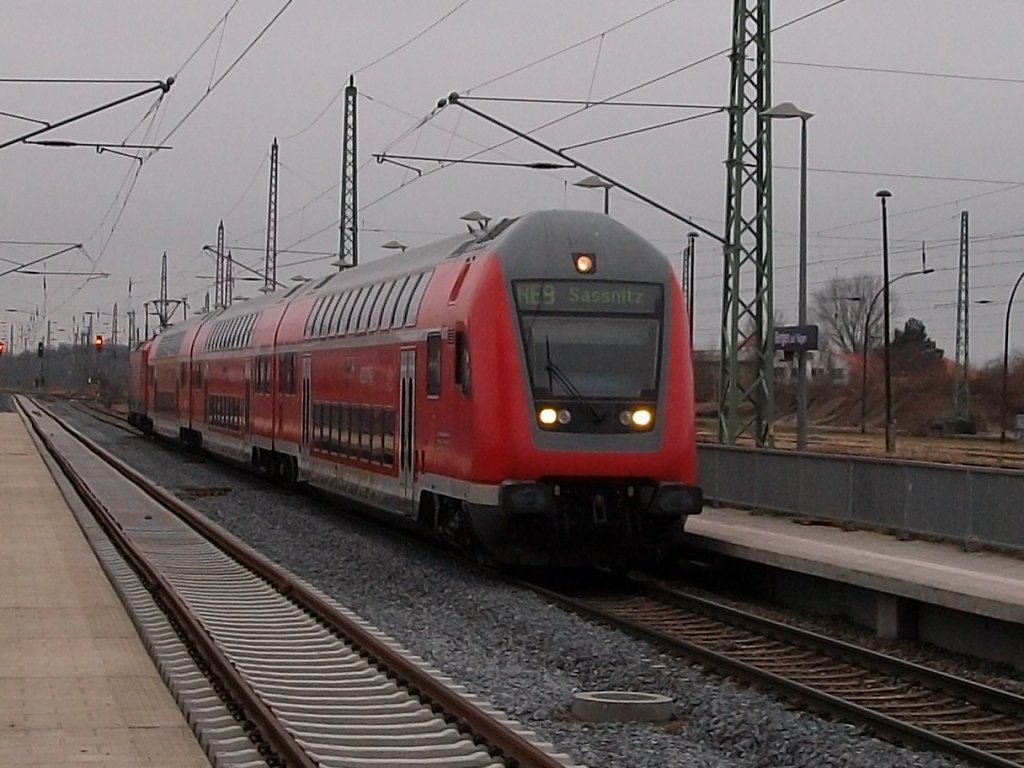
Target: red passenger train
(524,390)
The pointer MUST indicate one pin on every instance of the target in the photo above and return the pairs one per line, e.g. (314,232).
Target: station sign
(796,338)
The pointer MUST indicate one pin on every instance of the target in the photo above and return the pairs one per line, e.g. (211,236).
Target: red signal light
(2,347)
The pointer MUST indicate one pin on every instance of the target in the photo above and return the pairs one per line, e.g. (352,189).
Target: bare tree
(841,308)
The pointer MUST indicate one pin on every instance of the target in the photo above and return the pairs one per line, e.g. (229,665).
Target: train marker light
(547,416)
(585,262)
(2,347)
(98,343)
(564,417)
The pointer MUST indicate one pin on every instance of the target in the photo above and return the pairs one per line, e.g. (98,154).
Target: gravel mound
(523,655)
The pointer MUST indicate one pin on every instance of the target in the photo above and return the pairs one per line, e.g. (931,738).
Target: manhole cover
(621,706)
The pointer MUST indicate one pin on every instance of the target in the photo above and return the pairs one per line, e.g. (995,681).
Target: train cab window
(388,318)
(366,311)
(433,364)
(378,306)
(417,296)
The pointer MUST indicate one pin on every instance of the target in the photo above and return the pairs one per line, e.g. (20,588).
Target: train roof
(525,242)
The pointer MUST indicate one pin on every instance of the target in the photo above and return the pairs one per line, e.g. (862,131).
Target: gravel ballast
(523,655)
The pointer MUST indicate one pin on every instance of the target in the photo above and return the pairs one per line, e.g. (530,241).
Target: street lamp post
(1006,357)
(596,182)
(785,111)
(890,443)
(867,338)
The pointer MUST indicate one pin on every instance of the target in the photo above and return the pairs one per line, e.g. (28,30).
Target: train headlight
(547,416)
(639,418)
(564,417)
(642,418)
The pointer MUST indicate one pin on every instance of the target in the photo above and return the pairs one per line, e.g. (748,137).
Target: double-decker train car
(524,391)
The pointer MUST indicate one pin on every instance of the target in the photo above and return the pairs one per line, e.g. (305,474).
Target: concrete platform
(933,591)
(76,684)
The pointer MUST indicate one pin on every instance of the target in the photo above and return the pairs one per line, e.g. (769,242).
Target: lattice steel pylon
(747,352)
(218,285)
(163,314)
(348,248)
(961,388)
(270,262)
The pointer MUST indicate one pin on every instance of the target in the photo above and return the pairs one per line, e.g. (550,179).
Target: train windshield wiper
(557,374)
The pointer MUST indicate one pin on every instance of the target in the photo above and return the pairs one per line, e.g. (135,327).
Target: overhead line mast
(747,346)
(348,246)
(270,263)
(961,387)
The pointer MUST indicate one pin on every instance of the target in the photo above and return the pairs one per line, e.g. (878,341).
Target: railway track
(900,701)
(313,684)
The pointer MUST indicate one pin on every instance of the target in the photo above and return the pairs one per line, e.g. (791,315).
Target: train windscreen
(601,339)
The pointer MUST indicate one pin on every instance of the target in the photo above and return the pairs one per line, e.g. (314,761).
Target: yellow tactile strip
(76,684)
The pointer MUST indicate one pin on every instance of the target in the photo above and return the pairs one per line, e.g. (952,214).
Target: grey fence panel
(938,501)
(777,484)
(879,494)
(998,503)
(825,486)
(951,500)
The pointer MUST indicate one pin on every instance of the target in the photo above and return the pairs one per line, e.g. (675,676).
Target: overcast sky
(941,144)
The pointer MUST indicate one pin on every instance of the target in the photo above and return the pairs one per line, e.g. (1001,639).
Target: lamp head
(883,193)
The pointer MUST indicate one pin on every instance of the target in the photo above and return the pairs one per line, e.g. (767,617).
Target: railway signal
(98,342)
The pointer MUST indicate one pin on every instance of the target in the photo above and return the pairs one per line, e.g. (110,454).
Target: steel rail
(501,739)
(885,725)
(271,728)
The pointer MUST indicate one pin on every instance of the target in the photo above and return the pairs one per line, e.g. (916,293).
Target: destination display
(587,296)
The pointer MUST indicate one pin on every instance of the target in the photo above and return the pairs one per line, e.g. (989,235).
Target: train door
(406,423)
(248,397)
(307,405)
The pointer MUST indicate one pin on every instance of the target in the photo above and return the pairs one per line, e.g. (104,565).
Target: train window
(387,320)
(378,308)
(364,313)
(330,305)
(377,435)
(318,425)
(461,362)
(364,433)
(346,313)
(335,327)
(357,304)
(402,307)
(286,373)
(314,316)
(414,303)
(197,376)
(433,364)
(389,437)
(344,437)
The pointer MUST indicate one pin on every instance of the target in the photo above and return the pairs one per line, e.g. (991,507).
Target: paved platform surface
(983,583)
(76,684)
